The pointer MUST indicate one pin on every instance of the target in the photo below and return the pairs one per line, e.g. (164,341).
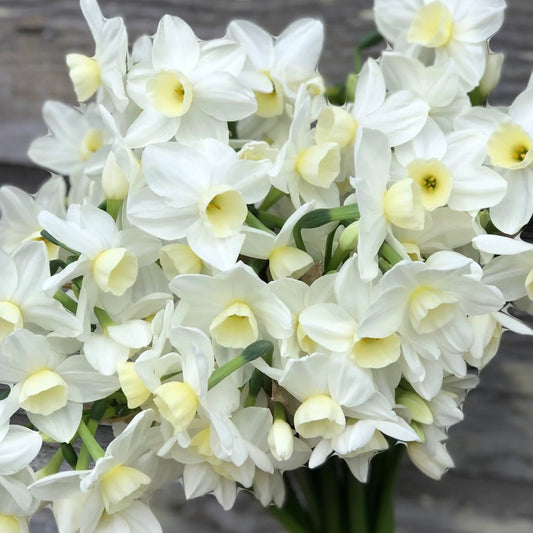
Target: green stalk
(389,254)
(66,301)
(89,442)
(273,196)
(357,504)
(53,465)
(103,318)
(254,222)
(270,220)
(385,508)
(250,353)
(329,249)
(367,41)
(320,217)
(330,497)
(113,207)
(49,237)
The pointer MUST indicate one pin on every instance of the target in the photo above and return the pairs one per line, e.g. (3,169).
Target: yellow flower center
(270,104)
(432,26)
(434,181)
(170,92)
(120,486)
(92,142)
(10,318)
(510,147)
(235,326)
(43,392)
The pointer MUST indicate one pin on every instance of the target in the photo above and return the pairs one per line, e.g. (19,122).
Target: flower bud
(491,76)
(281,440)
(115,184)
(418,407)
(177,403)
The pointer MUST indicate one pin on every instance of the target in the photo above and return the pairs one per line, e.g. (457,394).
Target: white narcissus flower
(275,68)
(427,303)
(381,205)
(122,477)
(189,95)
(305,168)
(235,307)
(201,193)
(447,172)
(23,302)
(512,270)
(109,258)
(104,72)
(20,212)
(205,472)
(76,144)
(48,385)
(456,30)
(506,139)
(438,85)
(284,259)
(333,326)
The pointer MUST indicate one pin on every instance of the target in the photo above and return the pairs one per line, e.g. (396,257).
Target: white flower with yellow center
(275,68)
(127,472)
(297,296)
(382,205)
(285,260)
(448,174)
(191,94)
(20,212)
(109,258)
(23,302)
(48,385)
(77,143)
(333,326)
(235,307)
(305,168)
(330,389)
(104,72)
(456,30)
(506,140)
(427,303)
(205,471)
(199,193)
(439,85)
(512,270)
(398,114)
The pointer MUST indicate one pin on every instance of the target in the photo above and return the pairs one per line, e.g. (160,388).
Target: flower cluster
(249,272)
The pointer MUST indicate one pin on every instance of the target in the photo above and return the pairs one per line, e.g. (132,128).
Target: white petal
(60,425)
(175,46)
(151,127)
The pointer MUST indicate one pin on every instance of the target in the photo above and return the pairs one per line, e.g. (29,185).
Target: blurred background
(491,488)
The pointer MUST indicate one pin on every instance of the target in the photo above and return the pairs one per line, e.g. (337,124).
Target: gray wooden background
(491,489)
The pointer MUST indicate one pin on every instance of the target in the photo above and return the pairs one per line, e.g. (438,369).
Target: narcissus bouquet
(261,282)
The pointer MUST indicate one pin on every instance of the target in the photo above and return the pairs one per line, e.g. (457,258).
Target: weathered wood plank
(35,36)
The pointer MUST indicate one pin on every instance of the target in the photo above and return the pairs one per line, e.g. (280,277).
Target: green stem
(321,217)
(53,240)
(270,220)
(328,250)
(303,477)
(273,196)
(254,222)
(250,353)
(367,41)
(330,496)
(53,465)
(87,436)
(113,207)
(385,507)
(103,318)
(66,301)
(357,504)
(390,254)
